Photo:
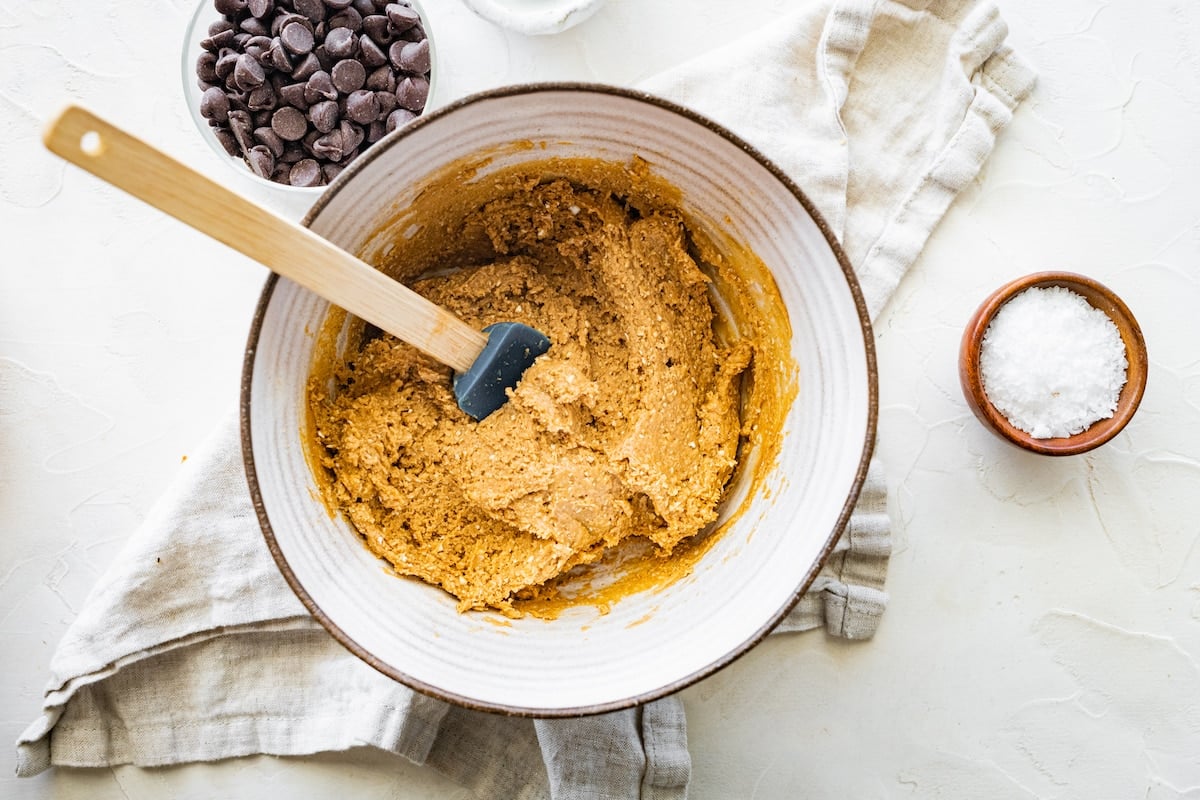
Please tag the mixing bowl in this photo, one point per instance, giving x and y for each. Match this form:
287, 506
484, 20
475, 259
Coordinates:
786, 505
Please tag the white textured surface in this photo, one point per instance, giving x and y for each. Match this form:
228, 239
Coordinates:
1043, 638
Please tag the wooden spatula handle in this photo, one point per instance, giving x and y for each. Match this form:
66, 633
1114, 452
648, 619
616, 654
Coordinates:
291, 250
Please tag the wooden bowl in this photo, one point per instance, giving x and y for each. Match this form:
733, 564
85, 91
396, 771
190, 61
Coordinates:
1099, 296
786, 509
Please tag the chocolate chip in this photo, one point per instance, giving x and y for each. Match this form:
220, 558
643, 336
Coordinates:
348, 75
313, 9
348, 18
370, 53
278, 56
227, 141
414, 56
306, 68
293, 95
398, 118
363, 7
341, 43
206, 67
297, 38
283, 17
378, 28
229, 7
375, 131
331, 171
412, 93
402, 17
329, 147
257, 53
352, 135
382, 80
323, 56
214, 105
237, 100
292, 152
262, 98
260, 8
320, 86
324, 115
305, 172
267, 137
387, 103
216, 42
289, 123
248, 73
243, 129
394, 53
261, 161
226, 63
255, 27
219, 25
362, 107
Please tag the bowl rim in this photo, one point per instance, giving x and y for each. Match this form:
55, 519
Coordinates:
865, 455
1093, 292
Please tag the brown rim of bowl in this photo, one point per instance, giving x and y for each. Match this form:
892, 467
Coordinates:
1098, 296
362, 162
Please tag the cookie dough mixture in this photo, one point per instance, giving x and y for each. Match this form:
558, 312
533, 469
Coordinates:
628, 427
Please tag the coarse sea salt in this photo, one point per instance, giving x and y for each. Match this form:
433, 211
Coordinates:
1051, 363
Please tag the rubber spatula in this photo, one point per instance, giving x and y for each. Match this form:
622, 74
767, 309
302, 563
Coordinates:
485, 363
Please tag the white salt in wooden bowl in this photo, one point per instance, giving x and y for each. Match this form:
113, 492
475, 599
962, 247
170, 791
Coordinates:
650, 643
1098, 296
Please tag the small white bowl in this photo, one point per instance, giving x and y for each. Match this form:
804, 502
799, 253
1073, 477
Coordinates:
535, 17
790, 507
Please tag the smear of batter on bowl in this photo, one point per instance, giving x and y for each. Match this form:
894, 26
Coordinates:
628, 427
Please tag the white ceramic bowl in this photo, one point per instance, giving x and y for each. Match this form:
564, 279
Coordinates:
651, 643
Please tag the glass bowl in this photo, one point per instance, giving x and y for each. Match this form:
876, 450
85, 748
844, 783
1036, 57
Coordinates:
197, 30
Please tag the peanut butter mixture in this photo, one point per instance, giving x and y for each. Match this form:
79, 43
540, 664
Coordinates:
628, 427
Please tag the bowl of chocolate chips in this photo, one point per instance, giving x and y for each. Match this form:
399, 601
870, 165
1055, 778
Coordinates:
289, 92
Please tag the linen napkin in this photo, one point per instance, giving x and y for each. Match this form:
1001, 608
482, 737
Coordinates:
193, 648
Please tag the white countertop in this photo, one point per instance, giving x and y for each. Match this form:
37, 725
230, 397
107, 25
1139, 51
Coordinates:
1043, 638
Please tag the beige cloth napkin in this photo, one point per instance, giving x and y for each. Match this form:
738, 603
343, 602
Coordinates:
192, 647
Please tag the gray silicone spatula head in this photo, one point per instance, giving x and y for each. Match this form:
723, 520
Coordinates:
510, 350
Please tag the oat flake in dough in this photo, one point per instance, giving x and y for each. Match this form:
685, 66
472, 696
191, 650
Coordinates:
628, 426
